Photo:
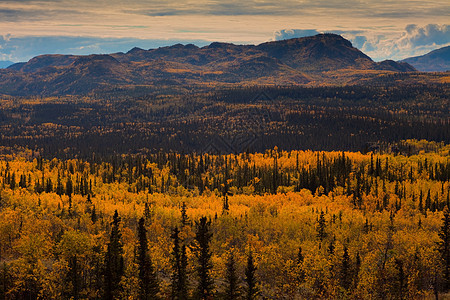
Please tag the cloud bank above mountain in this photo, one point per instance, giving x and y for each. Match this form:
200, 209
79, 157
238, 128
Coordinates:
30, 27
414, 40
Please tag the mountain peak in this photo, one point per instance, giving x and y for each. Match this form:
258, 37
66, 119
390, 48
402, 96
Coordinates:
135, 50
321, 58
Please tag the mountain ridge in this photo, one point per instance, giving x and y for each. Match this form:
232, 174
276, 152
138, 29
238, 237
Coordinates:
312, 60
435, 61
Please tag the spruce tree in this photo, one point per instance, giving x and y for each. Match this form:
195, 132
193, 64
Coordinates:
356, 270
300, 256
74, 278
179, 265
231, 279
148, 282
345, 270
69, 187
401, 284
428, 201
184, 216
321, 224
93, 215
331, 246
59, 185
225, 205
202, 252
444, 248
301, 271
113, 266
250, 278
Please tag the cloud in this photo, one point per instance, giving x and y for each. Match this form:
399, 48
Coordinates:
330, 8
15, 15
285, 34
414, 40
428, 35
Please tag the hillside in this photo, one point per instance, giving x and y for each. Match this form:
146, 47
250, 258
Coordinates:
435, 61
324, 58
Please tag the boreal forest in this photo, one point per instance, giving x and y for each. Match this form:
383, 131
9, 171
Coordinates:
274, 225
199, 173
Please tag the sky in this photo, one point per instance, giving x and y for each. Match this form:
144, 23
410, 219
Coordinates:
383, 29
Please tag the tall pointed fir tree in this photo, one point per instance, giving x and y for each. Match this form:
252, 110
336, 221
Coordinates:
231, 279
444, 248
301, 271
202, 252
321, 227
73, 277
113, 266
148, 282
250, 278
346, 279
179, 266
184, 216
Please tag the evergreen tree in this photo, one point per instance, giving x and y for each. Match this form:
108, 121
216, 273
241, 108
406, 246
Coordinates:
401, 284
59, 186
225, 205
74, 278
184, 216
231, 279
113, 266
444, 248
301, 271
421, 201
428, 201
12, 183
69, 187
331, 246
250, 278
300, 256
356, 270
179, 265
148, 282
93, 215
203, 237
321, 225
345, 270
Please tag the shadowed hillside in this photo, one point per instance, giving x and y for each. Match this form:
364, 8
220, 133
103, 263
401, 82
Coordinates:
435, 61
321, 59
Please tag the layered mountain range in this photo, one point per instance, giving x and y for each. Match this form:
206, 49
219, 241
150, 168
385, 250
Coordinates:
316, 60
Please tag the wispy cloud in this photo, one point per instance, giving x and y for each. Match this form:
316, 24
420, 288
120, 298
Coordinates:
412, 41
375, 26
285, 34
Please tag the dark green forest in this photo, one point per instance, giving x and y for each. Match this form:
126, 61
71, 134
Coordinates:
227, 120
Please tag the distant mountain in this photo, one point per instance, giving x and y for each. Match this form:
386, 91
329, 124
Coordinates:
435, 61
320, 59
5, 64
